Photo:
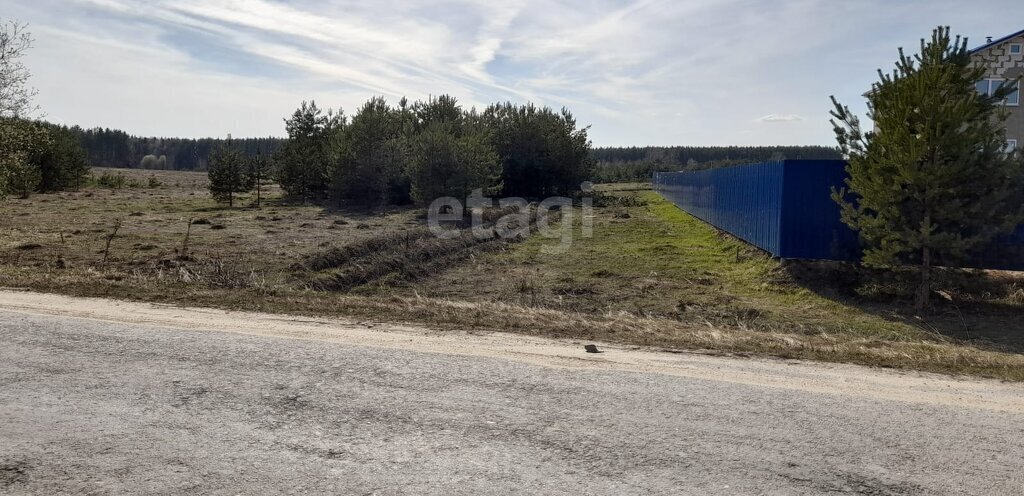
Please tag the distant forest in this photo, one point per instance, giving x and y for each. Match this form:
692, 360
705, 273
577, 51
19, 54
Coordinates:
623, 164
115, 148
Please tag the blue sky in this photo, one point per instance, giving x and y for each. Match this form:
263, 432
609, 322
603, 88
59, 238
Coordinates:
648, 72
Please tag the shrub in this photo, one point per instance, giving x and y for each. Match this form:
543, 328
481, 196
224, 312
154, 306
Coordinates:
112, 181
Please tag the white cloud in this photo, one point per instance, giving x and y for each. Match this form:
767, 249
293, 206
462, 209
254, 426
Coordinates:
780, 118
644, 72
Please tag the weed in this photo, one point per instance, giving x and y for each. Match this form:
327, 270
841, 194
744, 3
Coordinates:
628, 200
109, 239
111, 180
1015, 295
525, 286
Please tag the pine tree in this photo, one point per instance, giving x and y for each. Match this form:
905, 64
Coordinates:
260, 170
932, 181
542, 151
63, 163
449, 154
371, 160
443, 109
305, 161
228, 173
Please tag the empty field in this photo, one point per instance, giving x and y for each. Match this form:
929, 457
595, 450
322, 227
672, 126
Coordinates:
651, 275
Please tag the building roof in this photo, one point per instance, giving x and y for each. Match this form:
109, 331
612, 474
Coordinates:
987, 45
993, 43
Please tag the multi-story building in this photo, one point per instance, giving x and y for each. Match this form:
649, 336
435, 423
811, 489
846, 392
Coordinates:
1004, 61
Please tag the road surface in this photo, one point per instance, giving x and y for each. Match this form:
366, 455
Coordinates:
113, 397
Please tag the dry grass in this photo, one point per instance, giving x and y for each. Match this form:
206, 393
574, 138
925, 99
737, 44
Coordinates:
70, 229
650, 276
934, 355
393, 258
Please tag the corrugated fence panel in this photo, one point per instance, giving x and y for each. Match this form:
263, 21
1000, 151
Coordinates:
786, 208
746, 200
812, 227
1006, 253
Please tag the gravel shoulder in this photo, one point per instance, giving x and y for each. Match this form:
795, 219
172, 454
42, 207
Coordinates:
111, 397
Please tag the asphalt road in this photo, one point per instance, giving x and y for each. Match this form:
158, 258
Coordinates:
94, 406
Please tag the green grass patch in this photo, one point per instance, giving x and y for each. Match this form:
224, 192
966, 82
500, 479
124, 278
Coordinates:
662, 262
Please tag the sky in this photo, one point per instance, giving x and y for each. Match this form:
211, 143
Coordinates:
646, 72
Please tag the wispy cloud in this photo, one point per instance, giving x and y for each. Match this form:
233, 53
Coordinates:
642, 72
780, 118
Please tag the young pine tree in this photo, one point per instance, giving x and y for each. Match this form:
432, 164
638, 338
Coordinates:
371, 158
932, 181
260, 170
306, 160
450, 154
228, 173
63, 164
542, 151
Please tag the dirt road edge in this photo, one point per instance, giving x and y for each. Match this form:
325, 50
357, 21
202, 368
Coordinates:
823, 378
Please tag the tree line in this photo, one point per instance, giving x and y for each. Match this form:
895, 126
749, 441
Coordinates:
639, 163
417, 152
115, 148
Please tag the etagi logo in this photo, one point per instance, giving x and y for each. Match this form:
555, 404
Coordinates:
552, 218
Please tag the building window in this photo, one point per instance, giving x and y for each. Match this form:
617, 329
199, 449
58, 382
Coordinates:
1016, 48
1011, 145
1014, 98
988, 87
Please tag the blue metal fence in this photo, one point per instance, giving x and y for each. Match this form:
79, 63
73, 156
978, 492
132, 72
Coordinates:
786, 208
1007, 253
783, 207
